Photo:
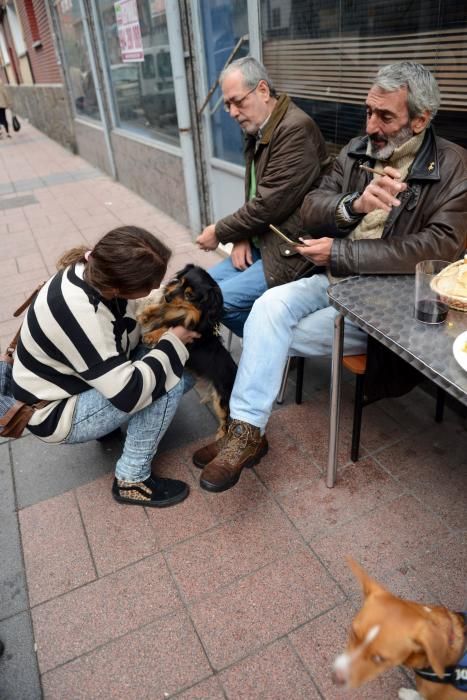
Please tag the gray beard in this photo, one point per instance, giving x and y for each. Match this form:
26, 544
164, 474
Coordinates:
393, 142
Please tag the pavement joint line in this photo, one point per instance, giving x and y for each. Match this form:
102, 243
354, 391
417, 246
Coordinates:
86, 535
117, 638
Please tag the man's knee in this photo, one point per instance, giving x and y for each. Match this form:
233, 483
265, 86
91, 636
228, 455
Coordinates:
271, 305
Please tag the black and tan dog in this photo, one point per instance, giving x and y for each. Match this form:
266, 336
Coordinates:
194, 300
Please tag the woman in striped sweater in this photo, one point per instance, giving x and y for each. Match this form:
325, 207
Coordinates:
80, 350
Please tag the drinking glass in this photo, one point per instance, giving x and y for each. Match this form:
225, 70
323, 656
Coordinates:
430, 305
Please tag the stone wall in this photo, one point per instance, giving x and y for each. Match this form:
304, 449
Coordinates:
90, 143
153, 173
46, 107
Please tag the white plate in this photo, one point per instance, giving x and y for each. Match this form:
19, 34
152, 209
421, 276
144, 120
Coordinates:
460, 354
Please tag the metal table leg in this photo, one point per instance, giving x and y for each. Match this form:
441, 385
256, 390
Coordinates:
336, 374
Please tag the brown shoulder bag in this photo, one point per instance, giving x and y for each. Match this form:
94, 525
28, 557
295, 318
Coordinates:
14, 415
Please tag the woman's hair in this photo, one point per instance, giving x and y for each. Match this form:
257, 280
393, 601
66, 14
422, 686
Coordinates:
127, 258
252, 71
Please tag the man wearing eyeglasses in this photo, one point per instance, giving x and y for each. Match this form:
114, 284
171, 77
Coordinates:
285, 155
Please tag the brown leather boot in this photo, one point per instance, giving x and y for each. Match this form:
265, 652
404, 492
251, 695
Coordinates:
244, 447
207, 453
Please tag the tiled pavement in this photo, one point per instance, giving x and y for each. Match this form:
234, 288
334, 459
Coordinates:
240, 595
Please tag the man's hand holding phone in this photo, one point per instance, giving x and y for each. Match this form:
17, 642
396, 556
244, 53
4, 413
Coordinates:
317, 250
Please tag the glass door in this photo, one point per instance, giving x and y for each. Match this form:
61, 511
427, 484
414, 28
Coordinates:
222, 29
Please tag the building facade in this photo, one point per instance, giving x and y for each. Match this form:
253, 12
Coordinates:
140, 78
31, 68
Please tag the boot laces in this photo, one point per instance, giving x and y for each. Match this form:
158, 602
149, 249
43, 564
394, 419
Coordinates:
239, 435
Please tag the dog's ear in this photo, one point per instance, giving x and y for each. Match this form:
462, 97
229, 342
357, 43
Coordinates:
367, 583
215, 304
433, 644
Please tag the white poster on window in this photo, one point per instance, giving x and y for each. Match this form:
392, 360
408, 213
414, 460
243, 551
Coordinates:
129, 32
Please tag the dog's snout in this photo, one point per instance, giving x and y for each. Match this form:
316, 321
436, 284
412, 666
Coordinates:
336, 679
340, 670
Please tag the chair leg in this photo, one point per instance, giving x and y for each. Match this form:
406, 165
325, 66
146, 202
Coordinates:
280, 395
440, 401
299, 379
357, 417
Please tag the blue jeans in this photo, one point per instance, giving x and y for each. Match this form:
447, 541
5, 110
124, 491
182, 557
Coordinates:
293, 319
95, 416
240, 289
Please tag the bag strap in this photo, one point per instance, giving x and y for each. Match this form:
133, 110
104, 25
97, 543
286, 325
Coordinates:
17, 407
29, 300
12, 346
15, 420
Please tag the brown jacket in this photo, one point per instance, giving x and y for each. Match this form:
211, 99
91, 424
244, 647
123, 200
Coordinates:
289, 160
429, 224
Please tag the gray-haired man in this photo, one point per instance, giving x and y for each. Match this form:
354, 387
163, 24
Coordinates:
285, 154
363, 224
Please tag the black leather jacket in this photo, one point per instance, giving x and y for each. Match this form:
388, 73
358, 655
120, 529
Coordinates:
430, 223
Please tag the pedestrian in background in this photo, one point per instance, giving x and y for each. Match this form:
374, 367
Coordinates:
4, 104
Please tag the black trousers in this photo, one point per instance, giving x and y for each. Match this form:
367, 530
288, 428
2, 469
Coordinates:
3, 119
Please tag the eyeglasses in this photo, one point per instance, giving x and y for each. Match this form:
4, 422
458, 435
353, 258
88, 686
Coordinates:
238, 101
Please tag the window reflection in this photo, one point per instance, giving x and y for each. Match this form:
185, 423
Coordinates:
224, 23
79, 69
143, 89
324, 53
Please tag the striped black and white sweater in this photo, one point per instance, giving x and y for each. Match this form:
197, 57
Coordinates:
73, 340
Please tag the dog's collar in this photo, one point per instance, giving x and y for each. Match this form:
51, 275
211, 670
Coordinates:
453, 675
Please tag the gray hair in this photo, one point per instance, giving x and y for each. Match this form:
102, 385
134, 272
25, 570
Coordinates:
422, 88
252, 71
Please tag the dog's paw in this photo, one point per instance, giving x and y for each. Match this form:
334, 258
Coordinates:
409, 694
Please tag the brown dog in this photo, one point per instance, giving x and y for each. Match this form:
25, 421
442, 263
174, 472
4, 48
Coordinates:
389, 632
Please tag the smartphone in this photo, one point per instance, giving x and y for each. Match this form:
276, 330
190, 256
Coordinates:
285, 238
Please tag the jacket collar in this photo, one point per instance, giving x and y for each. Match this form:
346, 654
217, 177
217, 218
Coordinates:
425, 166
277, 115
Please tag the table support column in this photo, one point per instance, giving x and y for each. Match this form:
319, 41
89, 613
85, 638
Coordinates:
336, 374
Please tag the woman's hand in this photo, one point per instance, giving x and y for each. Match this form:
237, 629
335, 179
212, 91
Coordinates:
185, 335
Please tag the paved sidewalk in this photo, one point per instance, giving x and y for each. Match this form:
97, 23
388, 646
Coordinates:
240, 595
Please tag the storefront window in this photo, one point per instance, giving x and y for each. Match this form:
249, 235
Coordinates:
224, 23
137, 47
77, 61
324, 53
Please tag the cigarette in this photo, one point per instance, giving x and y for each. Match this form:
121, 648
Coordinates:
377, 171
